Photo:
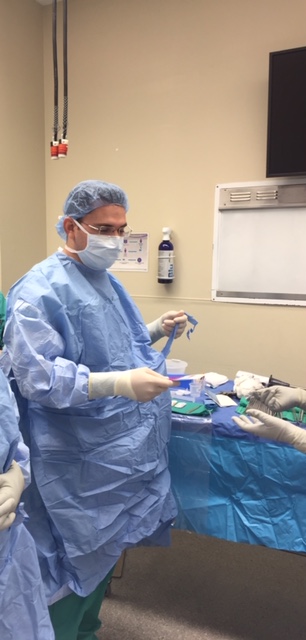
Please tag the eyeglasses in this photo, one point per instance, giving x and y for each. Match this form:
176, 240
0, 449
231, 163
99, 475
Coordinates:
107, 230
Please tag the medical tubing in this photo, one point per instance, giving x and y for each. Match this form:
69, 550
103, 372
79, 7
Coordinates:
55, 71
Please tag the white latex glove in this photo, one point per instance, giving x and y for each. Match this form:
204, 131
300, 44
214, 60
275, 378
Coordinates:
164, 325
11, 488
279, 398
141, 384
266, 426
170, 319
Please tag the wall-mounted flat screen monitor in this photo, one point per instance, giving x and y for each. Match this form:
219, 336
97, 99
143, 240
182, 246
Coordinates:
286, 140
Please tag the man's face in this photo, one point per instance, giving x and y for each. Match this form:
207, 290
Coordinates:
108, 220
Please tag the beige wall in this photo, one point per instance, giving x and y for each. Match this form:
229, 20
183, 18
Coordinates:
169, 98
22, 194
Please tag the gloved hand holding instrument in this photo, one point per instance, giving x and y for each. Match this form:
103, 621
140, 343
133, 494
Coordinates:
140, 384
163, 326
279, 398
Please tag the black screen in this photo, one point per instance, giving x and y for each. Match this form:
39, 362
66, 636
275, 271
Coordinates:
286, 148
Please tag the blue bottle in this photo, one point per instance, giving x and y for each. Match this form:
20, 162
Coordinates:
166, 258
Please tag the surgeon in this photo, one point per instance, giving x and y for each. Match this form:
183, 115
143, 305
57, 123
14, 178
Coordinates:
276, 399
96, 409
23, 607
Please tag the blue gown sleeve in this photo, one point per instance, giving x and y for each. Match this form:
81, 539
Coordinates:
35, 348
23, 458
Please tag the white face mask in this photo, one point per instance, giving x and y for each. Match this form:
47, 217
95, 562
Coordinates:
100, 251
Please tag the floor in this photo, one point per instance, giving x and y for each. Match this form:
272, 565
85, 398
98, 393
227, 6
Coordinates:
202, 588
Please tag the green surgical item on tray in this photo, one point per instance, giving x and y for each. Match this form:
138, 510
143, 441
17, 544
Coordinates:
293, 415
190, 408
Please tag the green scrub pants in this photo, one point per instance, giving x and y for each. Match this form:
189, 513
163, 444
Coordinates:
77, 618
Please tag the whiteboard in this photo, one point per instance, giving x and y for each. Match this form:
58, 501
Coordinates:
259, 250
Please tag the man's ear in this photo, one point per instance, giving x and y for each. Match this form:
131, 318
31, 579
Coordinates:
68, 225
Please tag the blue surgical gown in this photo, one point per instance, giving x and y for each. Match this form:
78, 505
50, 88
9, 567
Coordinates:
23, 607
100, 467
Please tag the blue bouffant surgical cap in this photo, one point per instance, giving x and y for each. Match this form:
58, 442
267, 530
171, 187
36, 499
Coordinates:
87, 196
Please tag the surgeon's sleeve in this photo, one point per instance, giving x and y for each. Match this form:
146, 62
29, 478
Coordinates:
35, 350
23, 458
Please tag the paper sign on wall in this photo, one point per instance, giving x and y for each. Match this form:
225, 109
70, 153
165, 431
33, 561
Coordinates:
134, 255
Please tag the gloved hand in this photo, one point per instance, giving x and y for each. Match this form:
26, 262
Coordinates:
272, 428
171, 318
279, 398
11, 488
141, 384
164, 325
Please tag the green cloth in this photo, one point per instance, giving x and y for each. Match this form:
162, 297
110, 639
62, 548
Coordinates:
191, 408
77, 618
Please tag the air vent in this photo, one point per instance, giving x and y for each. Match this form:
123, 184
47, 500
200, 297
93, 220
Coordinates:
267, 194
240, 196
262, 196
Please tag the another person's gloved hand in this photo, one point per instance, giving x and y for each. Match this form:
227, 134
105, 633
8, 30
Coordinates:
164, 325
11, 488
266, 426
141, 384
279, 398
